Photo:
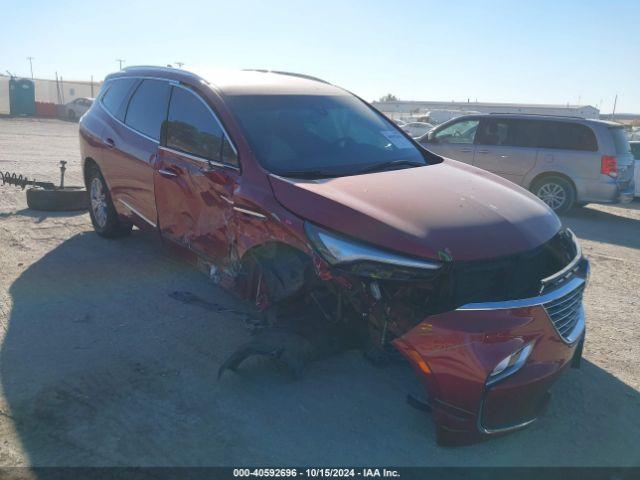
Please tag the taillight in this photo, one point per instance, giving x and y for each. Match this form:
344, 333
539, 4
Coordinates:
609, 165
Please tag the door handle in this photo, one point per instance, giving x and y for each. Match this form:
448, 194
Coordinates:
109, 143
167, 173
483, 151
465, 150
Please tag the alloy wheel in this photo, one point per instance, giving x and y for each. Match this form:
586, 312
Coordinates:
98, 202
552, 194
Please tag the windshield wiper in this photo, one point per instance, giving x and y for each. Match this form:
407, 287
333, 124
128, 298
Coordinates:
394, 163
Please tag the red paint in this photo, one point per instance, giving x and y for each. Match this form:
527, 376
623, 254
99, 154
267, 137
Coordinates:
448, 207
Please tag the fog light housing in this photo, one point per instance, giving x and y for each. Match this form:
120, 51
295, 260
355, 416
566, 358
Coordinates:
510, 365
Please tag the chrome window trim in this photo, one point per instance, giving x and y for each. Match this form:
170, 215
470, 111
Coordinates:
137, 213
215, 116
174, 83
527, 302
104, 109
203, 160
250, 212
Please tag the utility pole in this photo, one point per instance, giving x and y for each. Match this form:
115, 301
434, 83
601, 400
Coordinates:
120, 62
615, 102
31, 65
180, 64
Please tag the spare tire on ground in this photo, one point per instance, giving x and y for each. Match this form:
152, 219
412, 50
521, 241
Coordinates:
64, 199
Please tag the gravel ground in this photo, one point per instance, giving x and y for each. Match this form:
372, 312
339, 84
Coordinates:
99, 366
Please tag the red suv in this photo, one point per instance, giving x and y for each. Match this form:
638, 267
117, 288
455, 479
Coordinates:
286, 187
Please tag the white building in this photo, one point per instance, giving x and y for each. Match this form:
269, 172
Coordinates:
405, 109
50, 91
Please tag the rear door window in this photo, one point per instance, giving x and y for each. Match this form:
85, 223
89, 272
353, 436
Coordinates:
192, 128
148, 107
567, 136
508, 132
116, 93
620, 140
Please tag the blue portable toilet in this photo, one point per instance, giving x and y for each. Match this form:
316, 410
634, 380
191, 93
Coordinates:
22, 96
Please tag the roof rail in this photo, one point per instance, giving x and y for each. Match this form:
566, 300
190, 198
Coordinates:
165, 69
291, 74
537, 114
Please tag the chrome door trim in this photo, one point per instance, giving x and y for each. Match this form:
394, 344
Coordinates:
138, 213
250, 212
195, 158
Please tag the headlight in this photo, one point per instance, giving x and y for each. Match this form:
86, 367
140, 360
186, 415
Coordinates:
511, 364
365, 260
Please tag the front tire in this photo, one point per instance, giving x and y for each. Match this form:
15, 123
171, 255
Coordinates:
103, 214
557, 192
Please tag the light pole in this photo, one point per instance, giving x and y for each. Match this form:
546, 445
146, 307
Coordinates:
120, 62
31, 65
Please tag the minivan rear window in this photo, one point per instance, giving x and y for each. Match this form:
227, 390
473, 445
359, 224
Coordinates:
620, 140
113, 97
567, 136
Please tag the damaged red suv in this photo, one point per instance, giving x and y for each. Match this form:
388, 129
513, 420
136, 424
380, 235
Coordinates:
288, 189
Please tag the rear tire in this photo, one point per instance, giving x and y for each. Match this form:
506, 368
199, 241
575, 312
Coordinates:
557, 192
103, 214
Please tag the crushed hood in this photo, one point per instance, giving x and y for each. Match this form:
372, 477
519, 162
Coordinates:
449, 209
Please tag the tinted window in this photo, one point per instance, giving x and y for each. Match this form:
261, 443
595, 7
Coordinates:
508, 132
635, 149
320, 135
462, 132
192, 128
620, 140
567, 136
115, 94
148, 107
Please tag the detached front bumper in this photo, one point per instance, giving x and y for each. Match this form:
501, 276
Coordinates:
454, 354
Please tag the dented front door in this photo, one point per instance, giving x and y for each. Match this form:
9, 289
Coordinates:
196, 173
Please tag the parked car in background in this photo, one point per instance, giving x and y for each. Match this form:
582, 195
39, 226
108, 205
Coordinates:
565, 161
76, 108
416, 129
306, 201
635, 151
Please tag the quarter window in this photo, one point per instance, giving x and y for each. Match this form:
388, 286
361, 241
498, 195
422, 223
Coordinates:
115, 94
192, 128
567, 136
462, 132
148, 107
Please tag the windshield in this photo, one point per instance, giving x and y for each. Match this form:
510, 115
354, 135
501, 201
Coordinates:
320, 135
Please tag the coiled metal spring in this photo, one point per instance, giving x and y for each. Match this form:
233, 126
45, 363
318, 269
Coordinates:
21, 181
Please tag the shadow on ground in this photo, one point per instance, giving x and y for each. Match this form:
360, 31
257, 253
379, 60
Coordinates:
40, 216
603, 226
100, 367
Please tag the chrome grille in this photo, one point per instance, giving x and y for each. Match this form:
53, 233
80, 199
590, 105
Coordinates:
566, 312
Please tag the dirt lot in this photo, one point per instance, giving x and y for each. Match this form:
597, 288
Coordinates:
99, 366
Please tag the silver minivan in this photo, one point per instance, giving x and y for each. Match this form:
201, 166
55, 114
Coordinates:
565, 161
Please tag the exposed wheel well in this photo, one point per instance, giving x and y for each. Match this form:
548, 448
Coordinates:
282, 269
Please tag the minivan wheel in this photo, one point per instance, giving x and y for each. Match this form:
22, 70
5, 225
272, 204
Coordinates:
101, 210
556, 192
